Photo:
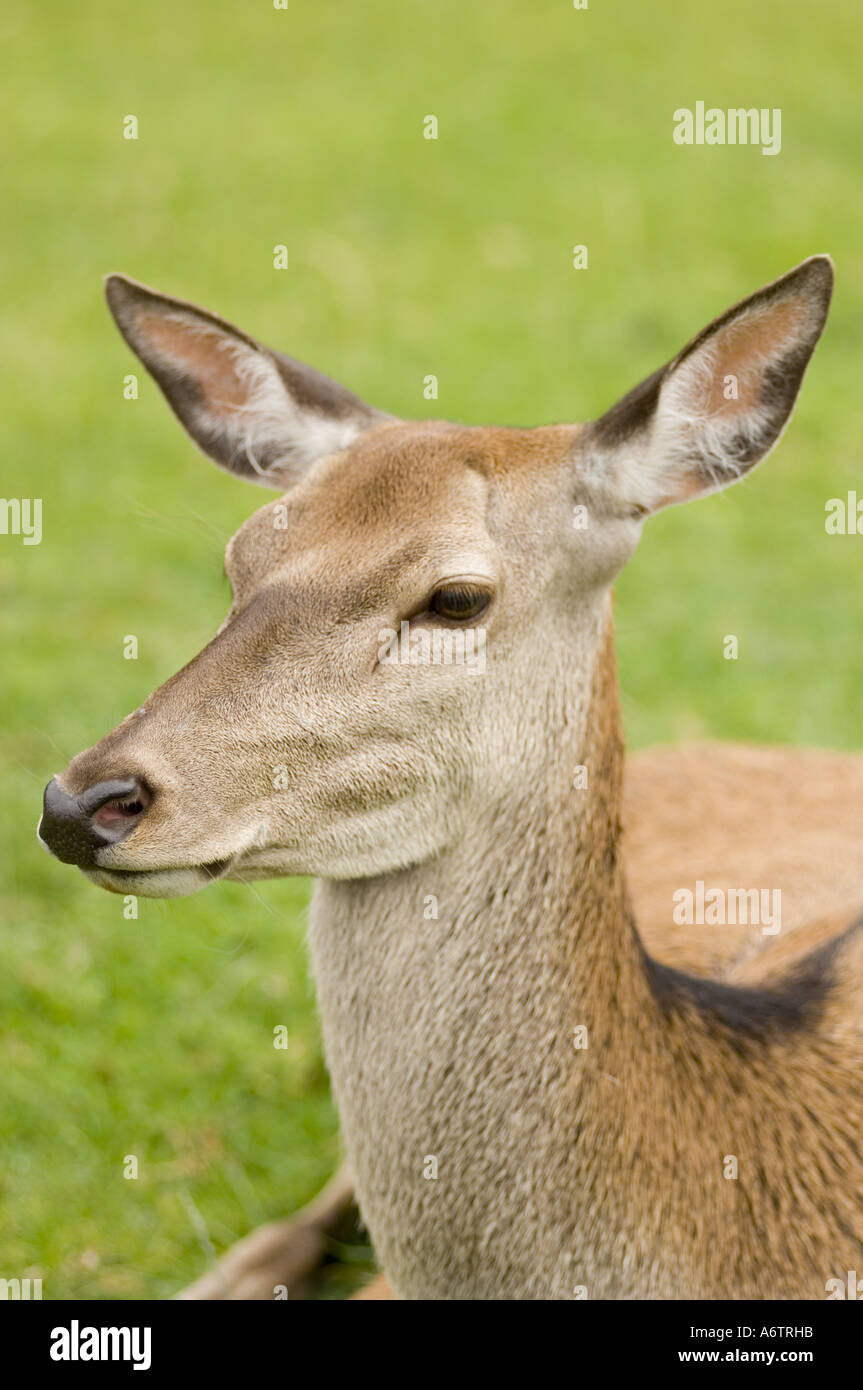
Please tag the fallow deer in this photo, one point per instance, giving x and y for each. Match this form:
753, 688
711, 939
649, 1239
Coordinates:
534, 1104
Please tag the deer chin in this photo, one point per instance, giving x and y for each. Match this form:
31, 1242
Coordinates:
366, 852
159, 883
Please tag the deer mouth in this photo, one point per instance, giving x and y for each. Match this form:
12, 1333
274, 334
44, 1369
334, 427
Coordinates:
170, 881
215, 869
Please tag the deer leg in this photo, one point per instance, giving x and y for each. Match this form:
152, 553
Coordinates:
377, 1291
280, 1254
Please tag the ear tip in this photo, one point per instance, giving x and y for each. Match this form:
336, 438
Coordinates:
115, 279
822, 262
121, 291
819, 272
118, 291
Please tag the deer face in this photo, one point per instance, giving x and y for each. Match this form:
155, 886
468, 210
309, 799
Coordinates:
404, 611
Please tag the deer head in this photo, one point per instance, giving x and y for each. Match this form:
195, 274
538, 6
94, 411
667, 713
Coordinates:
294, 743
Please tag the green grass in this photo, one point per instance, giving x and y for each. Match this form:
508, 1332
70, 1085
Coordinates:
154, 1037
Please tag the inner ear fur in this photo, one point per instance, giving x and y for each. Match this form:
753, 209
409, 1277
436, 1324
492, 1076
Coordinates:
703, 420
256, 412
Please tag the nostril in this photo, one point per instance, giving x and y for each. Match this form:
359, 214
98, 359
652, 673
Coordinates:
75, 828
120, 812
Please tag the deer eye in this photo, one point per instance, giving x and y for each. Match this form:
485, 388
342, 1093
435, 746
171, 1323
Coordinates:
460, 602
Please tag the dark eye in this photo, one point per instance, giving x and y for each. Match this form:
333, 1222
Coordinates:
459, 603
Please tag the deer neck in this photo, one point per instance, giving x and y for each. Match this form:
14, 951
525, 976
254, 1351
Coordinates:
535, 1109
454, 997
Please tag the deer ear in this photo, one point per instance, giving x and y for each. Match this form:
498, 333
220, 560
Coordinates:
706, 418
255, 412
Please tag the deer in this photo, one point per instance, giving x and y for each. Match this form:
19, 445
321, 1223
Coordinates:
547, 1090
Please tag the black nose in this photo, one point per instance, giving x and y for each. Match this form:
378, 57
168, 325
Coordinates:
75, 827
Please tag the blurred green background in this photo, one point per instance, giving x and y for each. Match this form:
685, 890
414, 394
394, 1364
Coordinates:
406, 257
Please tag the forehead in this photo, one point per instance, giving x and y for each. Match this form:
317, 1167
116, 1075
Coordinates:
402, 494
